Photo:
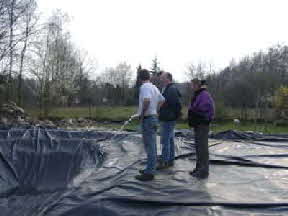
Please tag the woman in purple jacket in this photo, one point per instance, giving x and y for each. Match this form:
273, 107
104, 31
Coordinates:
200, 114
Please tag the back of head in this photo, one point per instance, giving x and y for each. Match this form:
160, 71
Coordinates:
203, 82
200, 83
166, 75
144, 75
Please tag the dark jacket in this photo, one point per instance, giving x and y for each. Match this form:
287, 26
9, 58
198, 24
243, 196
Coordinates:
201, 110
171, 109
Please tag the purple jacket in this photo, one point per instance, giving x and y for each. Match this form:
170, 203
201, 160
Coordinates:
202, 105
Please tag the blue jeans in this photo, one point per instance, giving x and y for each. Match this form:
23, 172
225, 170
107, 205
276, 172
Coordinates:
149, 130
167, 140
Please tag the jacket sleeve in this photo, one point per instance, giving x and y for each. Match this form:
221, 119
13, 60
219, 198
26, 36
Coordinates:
172, 97
204, 106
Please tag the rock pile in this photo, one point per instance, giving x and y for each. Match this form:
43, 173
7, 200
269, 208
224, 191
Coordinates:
13, 116
11, 112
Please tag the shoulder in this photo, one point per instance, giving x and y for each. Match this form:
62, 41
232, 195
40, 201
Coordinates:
145, 86
173, 91
152, 86
205, 94
172, 87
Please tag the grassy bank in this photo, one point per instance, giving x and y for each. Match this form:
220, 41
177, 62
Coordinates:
222, 126
114, 116
103, 113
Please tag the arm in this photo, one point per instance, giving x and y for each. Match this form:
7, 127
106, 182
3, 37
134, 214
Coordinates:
200, 103
146, 103
204, 106
172, 97
161, 101
144, 96
160, 104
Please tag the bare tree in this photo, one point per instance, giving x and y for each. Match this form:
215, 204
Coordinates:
196, 71
11, 45
119, 79
30, 21
62, 72
4, 28
251, 82
13, 19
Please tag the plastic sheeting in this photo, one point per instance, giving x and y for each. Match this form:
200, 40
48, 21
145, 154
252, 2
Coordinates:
73, 173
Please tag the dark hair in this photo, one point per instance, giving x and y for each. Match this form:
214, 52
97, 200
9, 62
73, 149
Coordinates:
169, 76
161, 72
203, 82
199, 82
144, 74
196, 81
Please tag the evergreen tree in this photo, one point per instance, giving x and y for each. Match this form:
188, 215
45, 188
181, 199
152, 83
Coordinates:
155, 70
155, 67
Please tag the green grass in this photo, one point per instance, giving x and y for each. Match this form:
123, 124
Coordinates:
121, 114
103, 113
216, 127
247, 126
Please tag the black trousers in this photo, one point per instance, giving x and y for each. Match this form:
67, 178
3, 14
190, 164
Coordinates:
202, 152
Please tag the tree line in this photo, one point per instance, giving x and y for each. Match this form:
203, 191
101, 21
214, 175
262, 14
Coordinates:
41, 67
251, 83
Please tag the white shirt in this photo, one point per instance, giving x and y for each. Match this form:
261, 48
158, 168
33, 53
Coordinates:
151, 92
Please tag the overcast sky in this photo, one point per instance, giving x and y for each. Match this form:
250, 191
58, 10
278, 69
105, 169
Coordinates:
177, 31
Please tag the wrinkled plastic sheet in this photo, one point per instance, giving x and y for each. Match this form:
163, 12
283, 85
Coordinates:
87, 173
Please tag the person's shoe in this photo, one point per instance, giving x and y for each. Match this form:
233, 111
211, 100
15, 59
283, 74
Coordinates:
141, 171
171, 163
162, 165
193, 171
165, 165
200, 175
145, 177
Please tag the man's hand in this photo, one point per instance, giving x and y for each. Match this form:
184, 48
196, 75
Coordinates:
141, 117
146, 104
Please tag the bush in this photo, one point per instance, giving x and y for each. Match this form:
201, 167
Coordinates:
221, 111
281, 102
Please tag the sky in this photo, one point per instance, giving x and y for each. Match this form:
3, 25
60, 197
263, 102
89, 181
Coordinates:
178, 32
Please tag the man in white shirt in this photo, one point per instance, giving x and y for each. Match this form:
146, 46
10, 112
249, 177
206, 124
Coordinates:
150, 100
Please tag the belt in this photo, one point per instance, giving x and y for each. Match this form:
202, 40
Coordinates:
149, 116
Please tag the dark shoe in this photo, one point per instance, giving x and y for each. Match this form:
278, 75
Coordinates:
162, 165
141, 171
193, 171
145, 177
171, 163
200, 175
165, 165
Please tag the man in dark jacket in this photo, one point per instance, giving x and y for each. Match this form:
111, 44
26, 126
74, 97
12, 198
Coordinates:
200, 114
168, 114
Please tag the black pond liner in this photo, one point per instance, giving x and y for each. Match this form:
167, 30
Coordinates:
88, 173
